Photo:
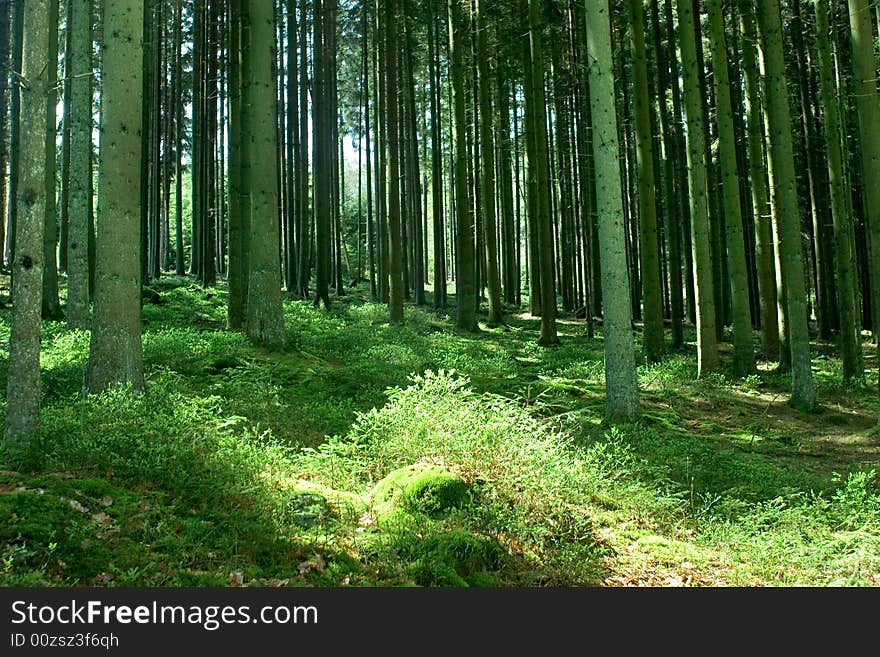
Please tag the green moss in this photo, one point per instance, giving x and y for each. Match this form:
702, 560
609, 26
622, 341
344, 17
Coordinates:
457, 558
420, 488
310, 503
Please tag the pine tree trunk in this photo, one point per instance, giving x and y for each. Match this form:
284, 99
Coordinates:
487, 171
51, 306
652, 301
80, 59
757, 177
436, 171
864, 71
850, 344
544, 189
621, 384
23, 382
743, 352
707, 344
115, 353
265, 317
465, 270
5, 43
785, 186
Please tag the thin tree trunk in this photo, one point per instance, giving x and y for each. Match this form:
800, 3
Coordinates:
785, 186
743, 352
707, 344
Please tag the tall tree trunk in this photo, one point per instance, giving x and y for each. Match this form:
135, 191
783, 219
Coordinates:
5, 43
621, 384
23, 382
707, 344
548, 335
80, 59
395, 263
239, 147
743, 352
177, 99
864, 71
652, 300
672, 218
436, 170
487, 164
850, 345
15, 132
115, 353
465, 277
265, 316
785, 185
51, 306
757, 177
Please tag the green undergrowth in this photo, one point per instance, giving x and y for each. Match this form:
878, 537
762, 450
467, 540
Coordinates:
370, 454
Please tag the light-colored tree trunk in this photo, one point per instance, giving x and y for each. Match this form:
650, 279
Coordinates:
115, 353
621, 383
23, 383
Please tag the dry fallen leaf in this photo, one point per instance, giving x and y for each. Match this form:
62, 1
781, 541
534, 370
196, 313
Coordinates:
107, 500
77, 506
103, 518
317, 564
236, 579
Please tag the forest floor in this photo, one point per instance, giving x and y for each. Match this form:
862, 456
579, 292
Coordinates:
367, 454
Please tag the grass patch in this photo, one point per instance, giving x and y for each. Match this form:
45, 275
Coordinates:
366, 453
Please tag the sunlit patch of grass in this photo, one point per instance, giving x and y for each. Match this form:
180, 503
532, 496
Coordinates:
221, 466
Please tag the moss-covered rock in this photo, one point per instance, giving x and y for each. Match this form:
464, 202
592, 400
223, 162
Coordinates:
309, 503
420, 488
457, 558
